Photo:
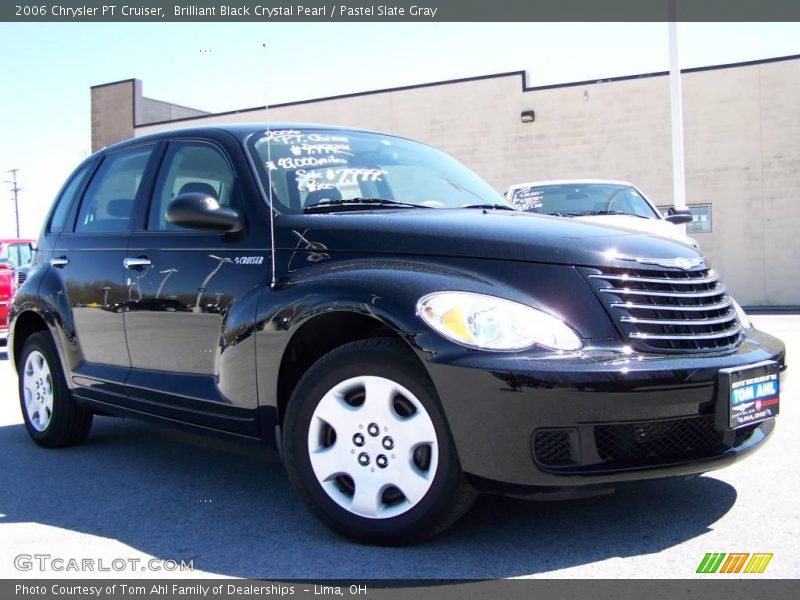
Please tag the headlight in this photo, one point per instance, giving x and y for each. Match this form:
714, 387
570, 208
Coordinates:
490, 323
744, 320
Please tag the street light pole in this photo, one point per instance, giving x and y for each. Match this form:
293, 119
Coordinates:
15, 190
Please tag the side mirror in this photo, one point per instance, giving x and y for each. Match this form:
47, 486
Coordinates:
679, 217
201, 211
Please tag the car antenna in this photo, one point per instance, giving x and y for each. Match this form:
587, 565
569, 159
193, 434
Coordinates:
269, 169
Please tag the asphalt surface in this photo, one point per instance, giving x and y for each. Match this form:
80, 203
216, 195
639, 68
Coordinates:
138, 491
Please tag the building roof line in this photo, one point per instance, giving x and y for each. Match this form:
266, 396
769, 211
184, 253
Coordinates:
748, 63
101, 85
353, 95
521, 74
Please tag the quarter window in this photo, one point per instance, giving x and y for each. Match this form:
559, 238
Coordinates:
189, 167
108, 202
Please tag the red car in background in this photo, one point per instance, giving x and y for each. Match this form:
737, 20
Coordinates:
13, 254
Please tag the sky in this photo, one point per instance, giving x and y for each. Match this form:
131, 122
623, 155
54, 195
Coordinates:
46, 71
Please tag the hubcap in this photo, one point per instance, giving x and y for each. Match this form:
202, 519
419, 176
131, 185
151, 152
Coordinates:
373, 447
37, 384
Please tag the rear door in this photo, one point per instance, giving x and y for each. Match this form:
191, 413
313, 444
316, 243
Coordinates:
89, 258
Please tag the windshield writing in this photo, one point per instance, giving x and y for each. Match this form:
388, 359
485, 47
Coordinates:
307, 167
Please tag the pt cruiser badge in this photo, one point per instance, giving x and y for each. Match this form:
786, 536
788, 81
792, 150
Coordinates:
383, 317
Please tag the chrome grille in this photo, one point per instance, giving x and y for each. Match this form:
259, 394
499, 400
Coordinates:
669, 310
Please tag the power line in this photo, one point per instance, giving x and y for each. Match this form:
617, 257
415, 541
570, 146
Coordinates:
15, 190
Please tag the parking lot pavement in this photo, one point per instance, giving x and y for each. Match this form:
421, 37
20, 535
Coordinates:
140, 491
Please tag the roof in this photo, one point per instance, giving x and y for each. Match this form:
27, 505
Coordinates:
570, 182
242, 131
17, 241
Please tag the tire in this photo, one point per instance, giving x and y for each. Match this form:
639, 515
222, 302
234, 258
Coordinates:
52, 417
368, 449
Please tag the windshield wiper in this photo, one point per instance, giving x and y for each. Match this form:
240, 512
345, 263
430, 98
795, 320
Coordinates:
589, 213
592, 213
357, 204
488, 206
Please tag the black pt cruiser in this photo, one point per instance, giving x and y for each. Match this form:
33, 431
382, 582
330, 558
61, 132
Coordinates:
377, 312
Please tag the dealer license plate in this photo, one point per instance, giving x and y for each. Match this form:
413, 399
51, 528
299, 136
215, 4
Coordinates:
753, 393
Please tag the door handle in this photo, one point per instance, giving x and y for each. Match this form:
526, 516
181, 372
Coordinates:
59, 261
136, 263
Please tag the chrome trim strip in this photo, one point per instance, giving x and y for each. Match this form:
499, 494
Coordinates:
720, 289
689, 336
697, 307
686, 323
664, 280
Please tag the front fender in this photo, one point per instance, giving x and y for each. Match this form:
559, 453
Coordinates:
387, 288
362, 287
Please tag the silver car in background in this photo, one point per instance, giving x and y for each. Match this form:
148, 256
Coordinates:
614, 203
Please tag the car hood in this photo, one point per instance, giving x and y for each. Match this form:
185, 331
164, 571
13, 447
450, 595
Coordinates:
651, 226
476, 233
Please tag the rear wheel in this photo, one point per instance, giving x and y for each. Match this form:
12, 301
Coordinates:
52, 417
367, 447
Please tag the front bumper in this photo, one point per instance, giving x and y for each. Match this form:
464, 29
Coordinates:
596, 418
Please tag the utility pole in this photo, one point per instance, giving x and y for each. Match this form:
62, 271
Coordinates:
676, 106
15, 190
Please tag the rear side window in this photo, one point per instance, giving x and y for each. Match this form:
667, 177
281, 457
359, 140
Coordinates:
17, 254
189, 167
66, 198
24, 254
108, 202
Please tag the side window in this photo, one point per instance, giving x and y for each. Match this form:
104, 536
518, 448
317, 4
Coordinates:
66, 198
11, 254
189, 167
108, 202
25, 254
19, 254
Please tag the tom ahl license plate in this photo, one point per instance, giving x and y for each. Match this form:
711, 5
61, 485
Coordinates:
753, 393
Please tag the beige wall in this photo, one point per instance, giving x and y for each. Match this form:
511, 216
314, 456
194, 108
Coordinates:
742, 127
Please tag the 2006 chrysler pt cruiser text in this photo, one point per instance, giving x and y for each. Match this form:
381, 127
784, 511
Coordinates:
383, 317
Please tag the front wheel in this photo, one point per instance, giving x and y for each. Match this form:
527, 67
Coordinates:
52, 417
368, 449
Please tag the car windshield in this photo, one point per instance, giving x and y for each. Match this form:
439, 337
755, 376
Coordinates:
314, 167
582, 199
